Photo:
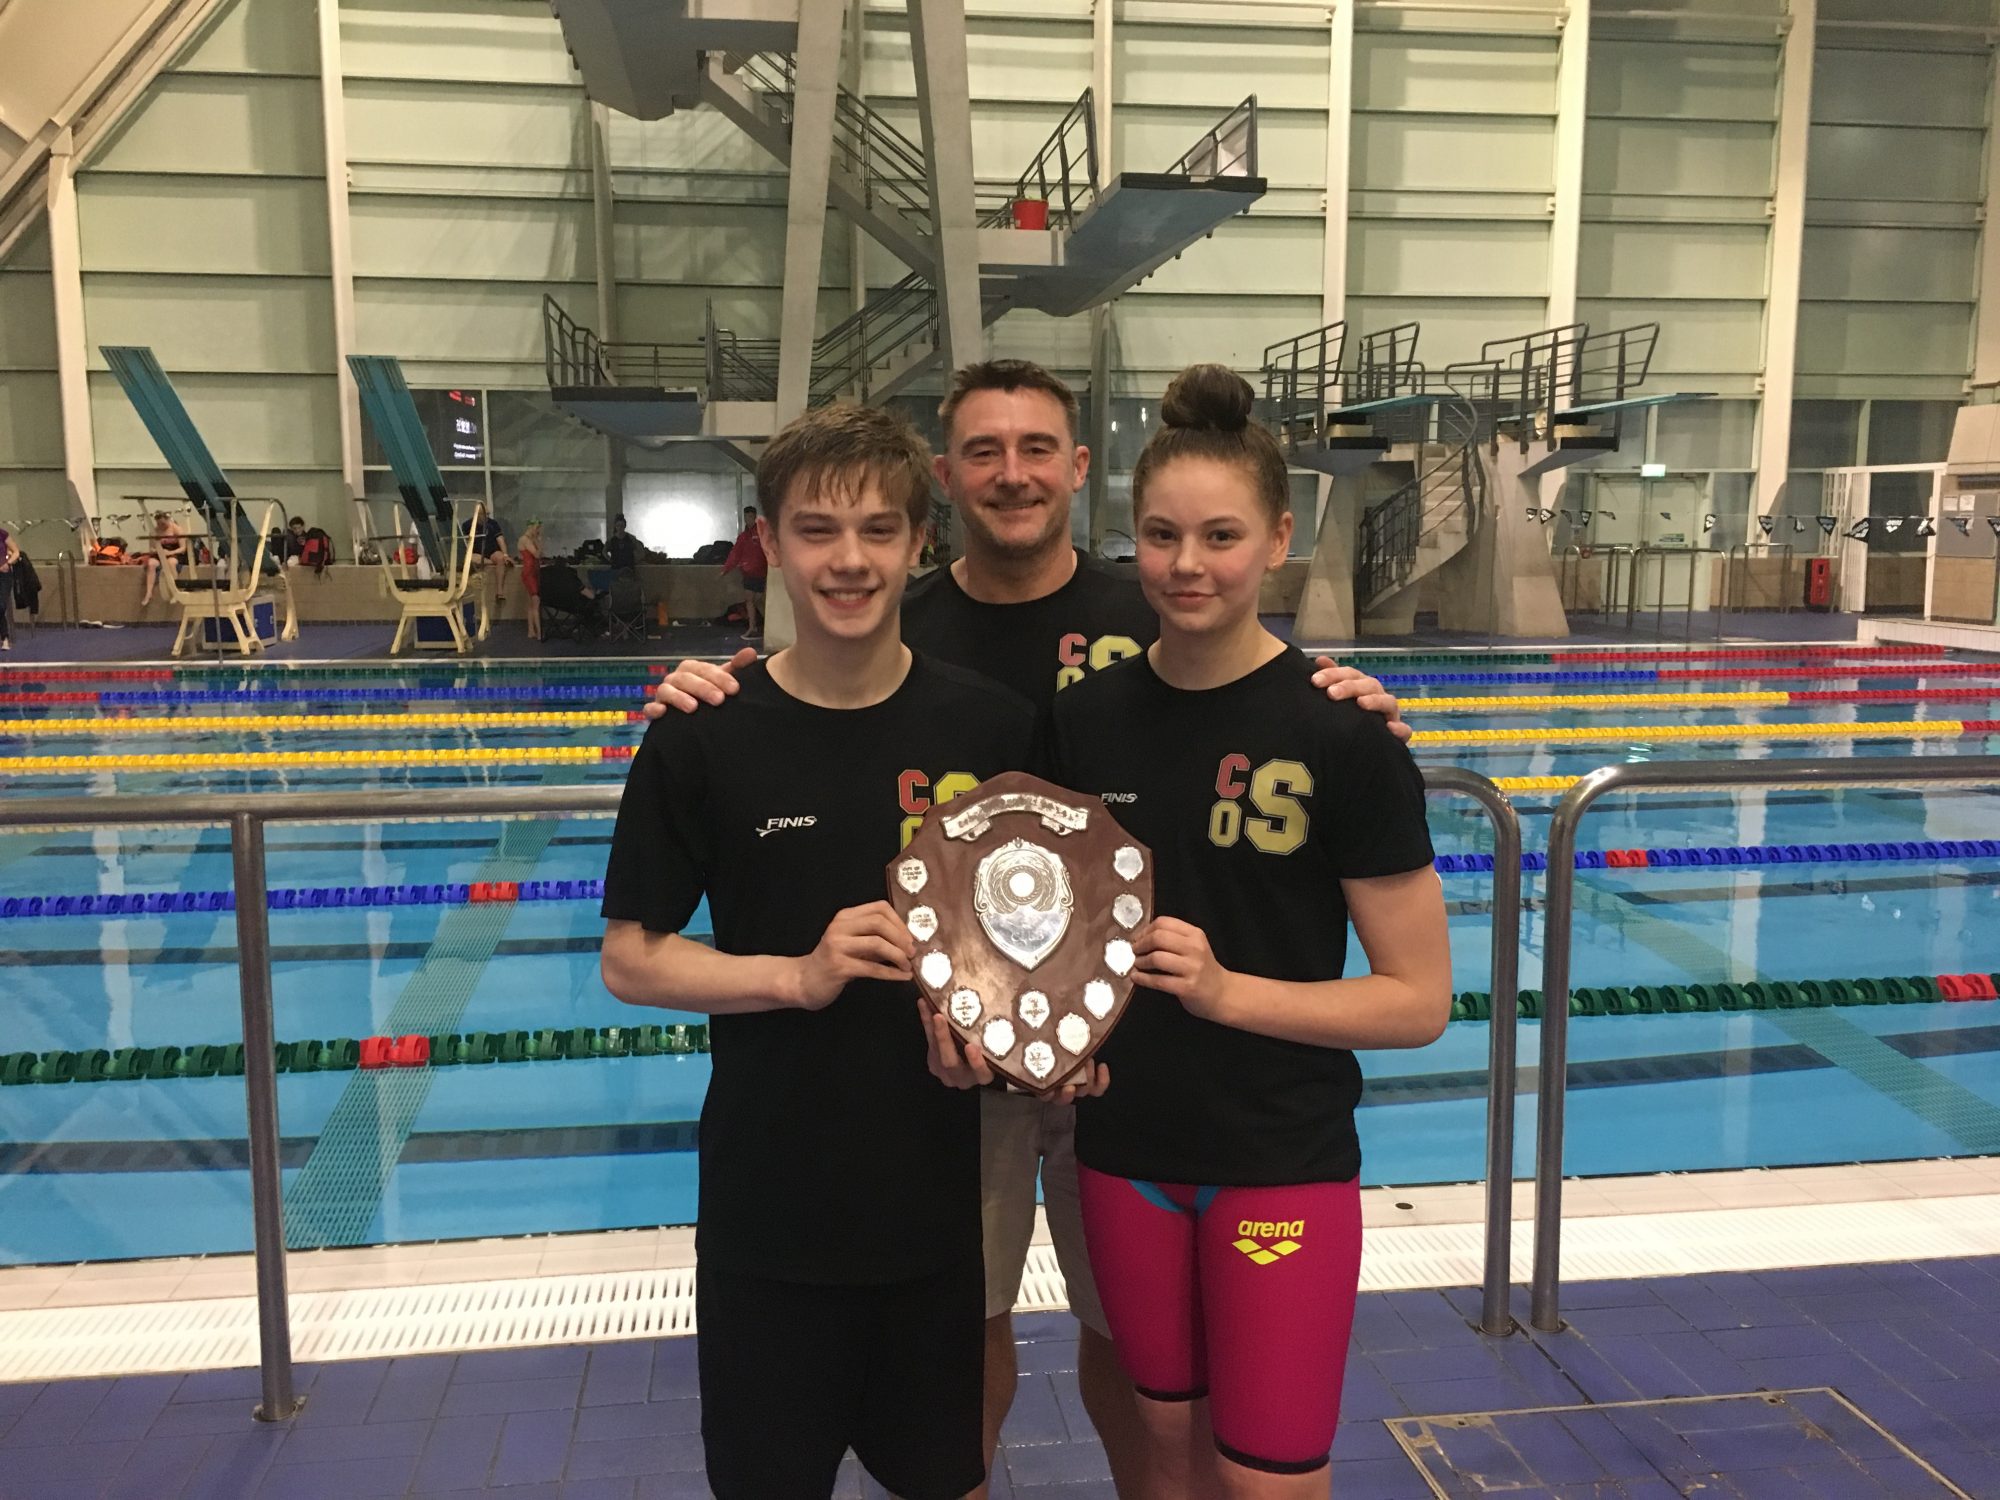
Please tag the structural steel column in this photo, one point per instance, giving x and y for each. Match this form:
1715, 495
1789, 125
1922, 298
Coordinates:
937, 47
340, 249
1566, 206
72, 346
1099, 436
1986, 342
805, 212
604, 266
1788, 231
1339, 159
857, 80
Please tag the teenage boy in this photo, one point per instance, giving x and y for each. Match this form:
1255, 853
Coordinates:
839, 1284
1024, 607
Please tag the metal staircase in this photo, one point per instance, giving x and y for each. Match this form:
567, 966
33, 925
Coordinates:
1428, 521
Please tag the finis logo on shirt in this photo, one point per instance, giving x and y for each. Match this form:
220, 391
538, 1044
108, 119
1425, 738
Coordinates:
1119, 796
1282, 1235
774, 825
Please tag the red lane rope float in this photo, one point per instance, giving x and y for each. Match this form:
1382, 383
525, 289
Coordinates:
1891, 695
22, 673
1760, 653
1866, 669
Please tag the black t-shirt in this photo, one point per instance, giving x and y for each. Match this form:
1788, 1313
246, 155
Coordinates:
1257, 799
828, 1152
1039, 646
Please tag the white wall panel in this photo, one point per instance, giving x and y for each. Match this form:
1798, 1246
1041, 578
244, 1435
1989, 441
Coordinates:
713, 244
466, 239
433, 120
27, 323
248, 420
1248, 256
470, 321
1009, 58
317, 495
203, 225
1668, 156
512, 41
1857, 338
1889, 264
1863, 161
235, 124
1683, 80
1928, 87
1674, 260
1496, 75
1452, 330
32, 495
214, 322
693, 141
30, 421
1435, 258
1211, 67
1435, 151
1699, 338
1161, 334
255, 36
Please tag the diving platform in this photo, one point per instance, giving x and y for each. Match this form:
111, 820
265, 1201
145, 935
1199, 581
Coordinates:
242, 580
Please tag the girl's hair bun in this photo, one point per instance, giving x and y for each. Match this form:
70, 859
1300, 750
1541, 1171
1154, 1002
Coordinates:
1212, 398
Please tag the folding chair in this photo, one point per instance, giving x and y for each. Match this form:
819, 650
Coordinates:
625, 607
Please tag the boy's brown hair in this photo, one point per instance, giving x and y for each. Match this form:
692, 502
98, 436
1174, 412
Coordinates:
1006, 375
844, 446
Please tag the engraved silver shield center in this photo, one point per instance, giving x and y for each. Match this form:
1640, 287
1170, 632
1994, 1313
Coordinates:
1022, 896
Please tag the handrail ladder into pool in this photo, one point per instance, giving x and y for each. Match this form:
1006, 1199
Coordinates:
247, 817
1545, 1313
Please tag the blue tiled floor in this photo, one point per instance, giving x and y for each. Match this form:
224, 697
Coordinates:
1915, 1348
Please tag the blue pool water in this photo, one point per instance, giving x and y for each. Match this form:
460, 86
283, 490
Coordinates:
108, 1170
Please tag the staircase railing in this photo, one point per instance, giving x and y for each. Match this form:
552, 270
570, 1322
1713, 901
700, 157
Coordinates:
1302, 380
1449, 484
870, 149
571, 354
1227, 149
1611, 365
1063, 174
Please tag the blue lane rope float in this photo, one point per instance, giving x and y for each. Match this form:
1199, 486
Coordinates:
334, 897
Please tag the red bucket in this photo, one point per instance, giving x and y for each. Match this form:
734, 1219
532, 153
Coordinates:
1031, 213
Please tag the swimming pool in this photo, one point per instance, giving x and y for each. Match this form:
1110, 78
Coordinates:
154, 1166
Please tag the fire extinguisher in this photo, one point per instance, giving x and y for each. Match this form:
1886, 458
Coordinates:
1819, 583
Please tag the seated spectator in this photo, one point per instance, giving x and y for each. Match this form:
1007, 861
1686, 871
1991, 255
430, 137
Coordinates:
289, 546
624, 547
489, 545
169, 546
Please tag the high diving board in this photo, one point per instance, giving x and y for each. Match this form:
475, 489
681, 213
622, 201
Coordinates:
241, 538
1629, 403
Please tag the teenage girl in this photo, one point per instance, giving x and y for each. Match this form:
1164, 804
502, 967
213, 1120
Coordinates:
1219, 1174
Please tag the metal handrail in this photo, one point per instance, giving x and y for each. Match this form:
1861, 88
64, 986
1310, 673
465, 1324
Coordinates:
1052, 175
1452, 482
246, 817
1226, 149
1640, 554
1559, 908
888, 163
1302, 377
1727, 601
1501, 1052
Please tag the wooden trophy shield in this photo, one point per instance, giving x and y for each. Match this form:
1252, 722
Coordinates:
1024, 899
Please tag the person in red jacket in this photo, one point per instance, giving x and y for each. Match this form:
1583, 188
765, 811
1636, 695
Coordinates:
747, 556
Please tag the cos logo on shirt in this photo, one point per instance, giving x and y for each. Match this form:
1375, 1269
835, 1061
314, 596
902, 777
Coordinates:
1077, 653
916, 796
1277, 822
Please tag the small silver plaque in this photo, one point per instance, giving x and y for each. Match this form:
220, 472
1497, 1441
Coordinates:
1034, 1008
1021, 894
1039, 1059
1117, 958
1125, 911
1128, 862
911, 875
998, 1037
924, 923
965, 1008
936, 967
1098, 998
1073, 1032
